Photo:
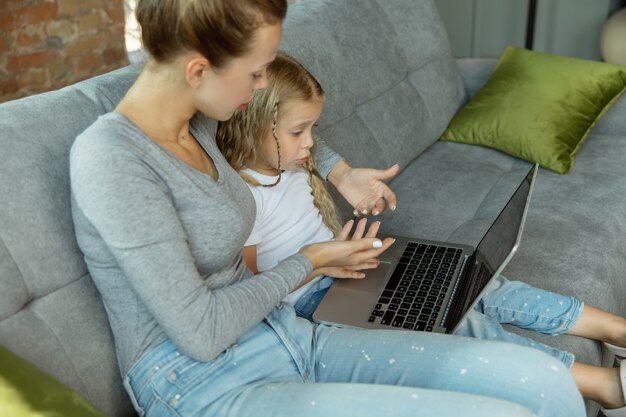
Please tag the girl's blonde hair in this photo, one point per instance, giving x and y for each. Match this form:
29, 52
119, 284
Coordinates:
218, 29
241, 138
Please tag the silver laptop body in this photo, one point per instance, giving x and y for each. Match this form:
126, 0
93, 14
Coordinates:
409, 291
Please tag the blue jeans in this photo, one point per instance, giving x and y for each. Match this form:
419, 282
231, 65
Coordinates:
505, 302
287, 365
309, 301
526, 307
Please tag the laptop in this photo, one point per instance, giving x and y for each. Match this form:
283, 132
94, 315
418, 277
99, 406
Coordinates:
426, 285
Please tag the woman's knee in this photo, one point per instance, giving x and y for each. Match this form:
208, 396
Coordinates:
333, 399
545, 383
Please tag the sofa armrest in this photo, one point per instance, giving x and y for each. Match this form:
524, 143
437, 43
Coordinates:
475, 72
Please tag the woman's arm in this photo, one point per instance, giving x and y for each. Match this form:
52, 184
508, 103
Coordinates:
363, 188
249, 256
136, 225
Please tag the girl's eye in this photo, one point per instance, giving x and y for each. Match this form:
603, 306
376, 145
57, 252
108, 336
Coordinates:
257, 76
298, 133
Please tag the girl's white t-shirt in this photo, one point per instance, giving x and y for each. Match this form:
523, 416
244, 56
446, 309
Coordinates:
286, 220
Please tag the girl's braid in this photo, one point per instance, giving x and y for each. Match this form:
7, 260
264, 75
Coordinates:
274, 119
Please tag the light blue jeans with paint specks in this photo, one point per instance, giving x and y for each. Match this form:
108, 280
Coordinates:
288, 366
526, 307
505, 302
306, 305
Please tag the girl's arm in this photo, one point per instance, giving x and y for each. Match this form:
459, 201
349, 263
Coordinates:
249, 256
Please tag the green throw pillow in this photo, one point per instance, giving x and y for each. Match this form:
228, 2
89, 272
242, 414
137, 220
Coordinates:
539, 107
26, 391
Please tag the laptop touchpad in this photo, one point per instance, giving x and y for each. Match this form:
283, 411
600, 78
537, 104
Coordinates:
373, 280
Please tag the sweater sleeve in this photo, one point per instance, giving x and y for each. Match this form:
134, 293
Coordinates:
325, 158
134, 222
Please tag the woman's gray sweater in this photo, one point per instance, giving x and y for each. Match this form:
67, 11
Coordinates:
163, 241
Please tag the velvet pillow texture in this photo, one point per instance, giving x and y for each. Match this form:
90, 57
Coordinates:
26, 391
539, 107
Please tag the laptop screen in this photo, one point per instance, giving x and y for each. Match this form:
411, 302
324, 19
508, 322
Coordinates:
495, 248
504, 234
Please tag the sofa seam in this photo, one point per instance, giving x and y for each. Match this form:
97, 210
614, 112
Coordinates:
56, 336
405, 78
29, 297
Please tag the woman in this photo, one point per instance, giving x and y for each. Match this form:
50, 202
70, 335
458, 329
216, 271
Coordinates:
162, 218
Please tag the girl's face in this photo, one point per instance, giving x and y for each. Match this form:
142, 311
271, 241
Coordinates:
294, 129
226, 89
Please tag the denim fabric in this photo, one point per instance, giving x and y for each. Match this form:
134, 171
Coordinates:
505, 301
287, 365
526, 307
306, 305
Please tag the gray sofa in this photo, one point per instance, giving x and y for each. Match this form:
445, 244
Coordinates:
392, 87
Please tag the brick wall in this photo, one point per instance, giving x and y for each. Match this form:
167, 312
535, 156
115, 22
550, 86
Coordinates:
47, 44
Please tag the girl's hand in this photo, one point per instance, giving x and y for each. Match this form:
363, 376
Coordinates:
351, 271
347, 256
344, 234
364, 188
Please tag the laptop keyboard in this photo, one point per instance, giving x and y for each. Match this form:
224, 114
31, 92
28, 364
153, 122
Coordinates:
413, 297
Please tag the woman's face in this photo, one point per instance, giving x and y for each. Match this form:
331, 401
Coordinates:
294, 129
229, 88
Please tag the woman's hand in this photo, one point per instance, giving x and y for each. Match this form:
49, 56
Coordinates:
345, 256
355, 270
364, 188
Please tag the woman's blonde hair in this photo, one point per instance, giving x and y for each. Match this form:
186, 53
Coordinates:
241, 138
218, 29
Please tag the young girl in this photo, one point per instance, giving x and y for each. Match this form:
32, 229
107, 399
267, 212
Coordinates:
294, 207
270, 145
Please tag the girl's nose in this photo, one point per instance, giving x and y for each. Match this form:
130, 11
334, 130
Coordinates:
308, 141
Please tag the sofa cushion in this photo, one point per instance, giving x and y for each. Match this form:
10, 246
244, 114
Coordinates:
539, 107
573, 241
48, 305
26, 391
392, 84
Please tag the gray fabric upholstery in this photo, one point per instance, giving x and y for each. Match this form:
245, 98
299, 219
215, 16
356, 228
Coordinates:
390, 79
475, 73
392, 87
50, 311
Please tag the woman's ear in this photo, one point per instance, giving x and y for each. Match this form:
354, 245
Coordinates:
195, 69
